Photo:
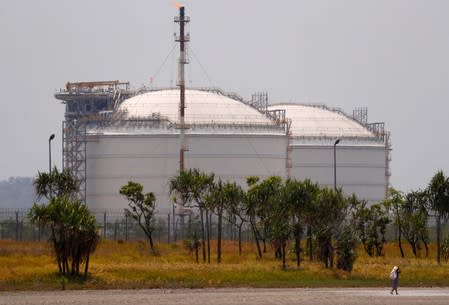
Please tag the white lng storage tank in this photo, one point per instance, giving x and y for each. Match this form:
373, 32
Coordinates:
333, 149
224, 136
110, 141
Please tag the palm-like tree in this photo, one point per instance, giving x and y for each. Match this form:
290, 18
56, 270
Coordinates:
38, 215
74, 234
73, 228
56, 184
438, 196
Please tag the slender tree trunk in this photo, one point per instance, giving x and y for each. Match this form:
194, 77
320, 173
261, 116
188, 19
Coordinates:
264, 240
196, 251
78, 263
309, 242
150, 237
400, 237
438, 238
298, 248
256, 237
284, 265
208, 236
203, 236
66, 264
86, 267
413, 245
240, 239
220, 219
55, 247
73, 271
426, 246
331, 253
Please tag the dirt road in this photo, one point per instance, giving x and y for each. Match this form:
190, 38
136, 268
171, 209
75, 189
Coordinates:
241, 296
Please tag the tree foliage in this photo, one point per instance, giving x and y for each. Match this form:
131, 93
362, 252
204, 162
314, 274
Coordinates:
438, 198
299, 197
395, 204
226, 196
56, 184
371, 224
74, 232
73, 228
280, 211
260, 202
235, 209
193, 188
329, 214
142, 208
414, 224
346, 244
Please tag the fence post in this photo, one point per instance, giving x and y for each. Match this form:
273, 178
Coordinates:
104, 225
168, 228
17, 225
38, 230
174, 223
126, 227
189, 227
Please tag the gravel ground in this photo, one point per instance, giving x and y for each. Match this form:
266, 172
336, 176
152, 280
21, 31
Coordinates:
240, 296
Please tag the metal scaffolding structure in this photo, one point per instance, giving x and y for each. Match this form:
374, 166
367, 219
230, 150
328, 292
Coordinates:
85, 101
74, 151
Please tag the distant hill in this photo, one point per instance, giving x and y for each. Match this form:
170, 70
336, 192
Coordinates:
17, 193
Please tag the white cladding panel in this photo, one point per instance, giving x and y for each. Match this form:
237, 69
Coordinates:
360, 169
151, 160
233, 157
112, 161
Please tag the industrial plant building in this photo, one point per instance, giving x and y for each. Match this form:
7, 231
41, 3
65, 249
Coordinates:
139, 140
114, 134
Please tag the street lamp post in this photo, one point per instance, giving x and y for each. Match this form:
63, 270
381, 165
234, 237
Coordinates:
52, 136
335, 163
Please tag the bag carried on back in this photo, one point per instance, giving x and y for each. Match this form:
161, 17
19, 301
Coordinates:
393, 275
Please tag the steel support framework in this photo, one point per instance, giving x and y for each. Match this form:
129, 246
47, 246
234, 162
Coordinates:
74, 151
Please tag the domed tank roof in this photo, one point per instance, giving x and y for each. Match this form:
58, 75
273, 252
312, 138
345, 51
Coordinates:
202, 107
321, 121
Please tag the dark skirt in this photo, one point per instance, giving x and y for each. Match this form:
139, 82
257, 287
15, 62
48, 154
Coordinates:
394, 283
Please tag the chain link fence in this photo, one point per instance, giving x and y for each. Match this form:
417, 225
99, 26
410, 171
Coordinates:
116, 225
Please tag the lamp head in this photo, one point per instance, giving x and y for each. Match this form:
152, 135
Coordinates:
51, 137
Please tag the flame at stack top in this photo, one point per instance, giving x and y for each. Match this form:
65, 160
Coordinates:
177, 5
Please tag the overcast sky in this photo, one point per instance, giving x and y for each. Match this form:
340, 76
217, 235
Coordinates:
391, 56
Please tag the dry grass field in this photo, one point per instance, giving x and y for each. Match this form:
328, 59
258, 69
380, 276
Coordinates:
131, 265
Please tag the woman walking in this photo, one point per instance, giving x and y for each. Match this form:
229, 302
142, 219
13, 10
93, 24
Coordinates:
394, 276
